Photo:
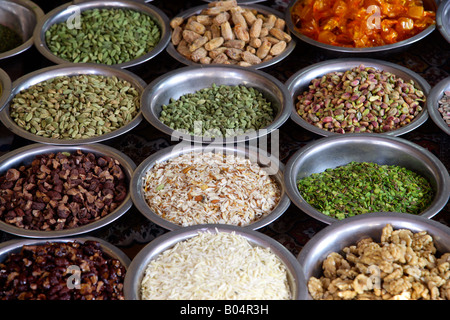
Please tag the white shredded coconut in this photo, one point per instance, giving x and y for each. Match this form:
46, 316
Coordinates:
197, 188
216, 266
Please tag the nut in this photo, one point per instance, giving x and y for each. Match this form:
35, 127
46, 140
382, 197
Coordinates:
41, 272
230, 26
404, 265
362, 99
61, 191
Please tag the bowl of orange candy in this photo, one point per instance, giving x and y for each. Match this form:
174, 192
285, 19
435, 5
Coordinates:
361, 26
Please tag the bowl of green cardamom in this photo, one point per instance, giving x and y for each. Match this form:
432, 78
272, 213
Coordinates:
119, 33
337, 177
5, 88
216, 104
71, 105
18, 20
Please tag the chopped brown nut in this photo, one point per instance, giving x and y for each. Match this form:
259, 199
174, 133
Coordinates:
49, 193
41, 272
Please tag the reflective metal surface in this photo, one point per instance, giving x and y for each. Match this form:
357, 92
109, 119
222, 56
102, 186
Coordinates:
14, 246
193, 78
5, 88
240, 1
443, 19
20, 16
428, 5
151, 251
300, 81
25, 155
65, 11
271, 165
70, 70
435, 95
345, 233
331, 152
261, 9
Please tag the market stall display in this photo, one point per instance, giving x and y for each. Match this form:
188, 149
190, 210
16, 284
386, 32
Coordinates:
98, 170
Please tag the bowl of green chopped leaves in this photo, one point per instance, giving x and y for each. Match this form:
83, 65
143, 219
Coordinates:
337, 177
18, 20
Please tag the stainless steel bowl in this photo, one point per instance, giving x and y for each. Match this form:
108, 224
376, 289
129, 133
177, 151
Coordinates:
25, 155
435, 95
22, 17
345, 233
190, 79
260, 8
331, 152
69, 70
269, 162
241, 1
401, 45
443, 19
65, 11
151, 251
14, 246
5, 88
299, 82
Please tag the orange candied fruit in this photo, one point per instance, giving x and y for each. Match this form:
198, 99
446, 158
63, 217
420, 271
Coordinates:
361, 23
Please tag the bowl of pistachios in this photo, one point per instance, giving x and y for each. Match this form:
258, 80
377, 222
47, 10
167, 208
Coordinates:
5, 88
348, 95
363, 173
439, 104
69, 105
18, 20
119, 33
216, 104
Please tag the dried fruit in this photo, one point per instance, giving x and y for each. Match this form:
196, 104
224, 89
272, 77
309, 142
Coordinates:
361, 24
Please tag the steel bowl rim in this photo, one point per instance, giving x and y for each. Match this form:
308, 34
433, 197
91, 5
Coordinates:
282, 117
241, 1
376, 220
418, 80
70, 69
167, 240
127, 165
443, 28
261, 8
433, 102
183, 148
352, 50
290, 173
63, 10
38, 13
5, 88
